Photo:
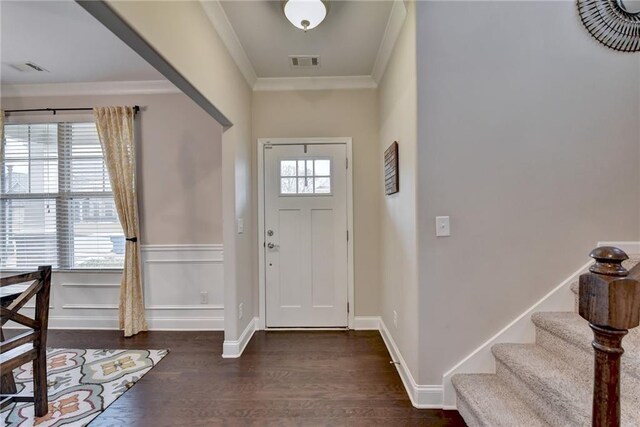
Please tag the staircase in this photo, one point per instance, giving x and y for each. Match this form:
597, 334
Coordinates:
550, 382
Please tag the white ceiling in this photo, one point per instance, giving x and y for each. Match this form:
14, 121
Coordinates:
63, 38
347, 41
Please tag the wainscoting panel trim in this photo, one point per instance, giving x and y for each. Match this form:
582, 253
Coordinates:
183, 261
184, 307
90, 306
174, 276
90, 285
174, 248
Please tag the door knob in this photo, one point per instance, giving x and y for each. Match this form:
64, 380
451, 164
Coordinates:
271, 245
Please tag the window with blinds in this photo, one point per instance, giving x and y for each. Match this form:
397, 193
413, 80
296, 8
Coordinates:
56, 203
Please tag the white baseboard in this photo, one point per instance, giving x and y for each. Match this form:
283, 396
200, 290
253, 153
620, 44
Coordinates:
520, 330
422, 396
233, 349
366, 323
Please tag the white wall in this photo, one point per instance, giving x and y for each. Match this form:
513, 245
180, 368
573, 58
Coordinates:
336, 113
182, 33
529, 140
397, 122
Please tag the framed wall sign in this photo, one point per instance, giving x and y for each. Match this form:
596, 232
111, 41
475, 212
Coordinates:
391, 173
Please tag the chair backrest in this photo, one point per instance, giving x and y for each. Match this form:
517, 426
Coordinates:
15, 292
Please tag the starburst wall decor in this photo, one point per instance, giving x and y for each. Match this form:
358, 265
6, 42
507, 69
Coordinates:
614, 23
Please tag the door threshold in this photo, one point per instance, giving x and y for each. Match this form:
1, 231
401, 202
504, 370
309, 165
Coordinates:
311, 328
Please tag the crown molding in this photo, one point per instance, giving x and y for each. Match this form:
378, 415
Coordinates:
218, 18
150, 87
394, 25
314, 83
222, 25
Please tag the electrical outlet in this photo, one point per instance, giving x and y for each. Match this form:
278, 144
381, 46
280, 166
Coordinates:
204, 297
395, 319
241, 310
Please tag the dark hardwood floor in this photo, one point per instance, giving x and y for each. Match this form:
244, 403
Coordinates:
283, 378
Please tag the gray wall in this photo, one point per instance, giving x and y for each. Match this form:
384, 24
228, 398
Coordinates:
528, 138
179, 164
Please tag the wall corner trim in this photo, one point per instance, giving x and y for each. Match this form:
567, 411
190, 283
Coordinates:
220, 21
233, 349
394, 25
422, 396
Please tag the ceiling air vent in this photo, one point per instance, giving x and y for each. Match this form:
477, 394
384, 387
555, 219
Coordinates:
29, 66
304, 61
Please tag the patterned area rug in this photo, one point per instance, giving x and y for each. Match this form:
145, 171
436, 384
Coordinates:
81, 384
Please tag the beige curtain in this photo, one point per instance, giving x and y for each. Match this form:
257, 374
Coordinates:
115, 129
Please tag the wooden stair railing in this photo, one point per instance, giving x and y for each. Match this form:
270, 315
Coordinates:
609, 299
28, 346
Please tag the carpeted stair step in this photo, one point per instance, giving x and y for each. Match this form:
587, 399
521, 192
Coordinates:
559, 393
550, 382
568, 336
485, 400
556, 391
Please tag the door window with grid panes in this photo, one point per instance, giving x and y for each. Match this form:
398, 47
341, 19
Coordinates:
305, 177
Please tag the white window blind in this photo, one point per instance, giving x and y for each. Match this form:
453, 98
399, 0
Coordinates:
56, 202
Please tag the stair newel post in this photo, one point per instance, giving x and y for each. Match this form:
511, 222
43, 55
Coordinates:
610, 302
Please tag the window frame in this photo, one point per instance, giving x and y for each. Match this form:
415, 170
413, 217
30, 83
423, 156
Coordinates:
64, 195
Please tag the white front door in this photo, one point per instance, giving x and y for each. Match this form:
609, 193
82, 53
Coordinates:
305, 196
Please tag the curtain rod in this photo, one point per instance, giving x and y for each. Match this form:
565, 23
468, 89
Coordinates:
136, 109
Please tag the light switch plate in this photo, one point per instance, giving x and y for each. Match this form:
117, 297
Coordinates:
443, 228
240, 225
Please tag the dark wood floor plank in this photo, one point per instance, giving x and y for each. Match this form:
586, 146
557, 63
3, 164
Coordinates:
282, 379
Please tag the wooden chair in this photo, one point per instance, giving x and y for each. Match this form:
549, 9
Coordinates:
28, 346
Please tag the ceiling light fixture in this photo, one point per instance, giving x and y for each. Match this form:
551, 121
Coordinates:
305, 14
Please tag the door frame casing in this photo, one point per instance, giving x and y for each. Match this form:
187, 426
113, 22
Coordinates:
347, 141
